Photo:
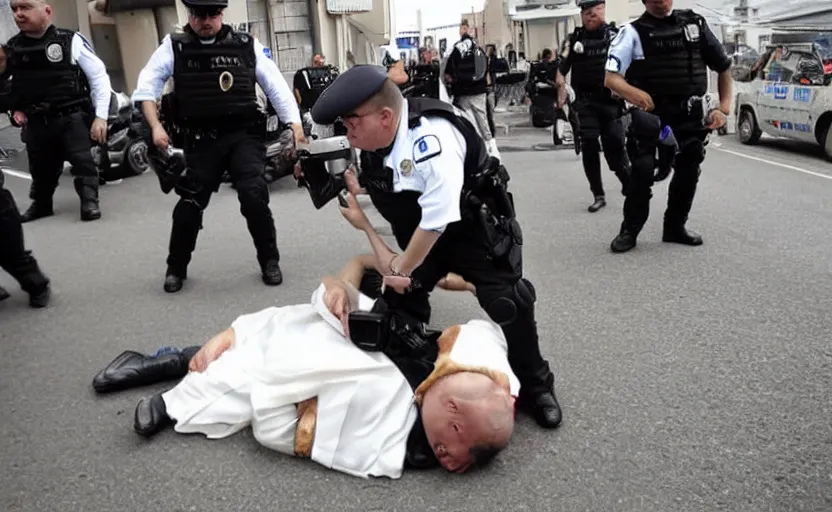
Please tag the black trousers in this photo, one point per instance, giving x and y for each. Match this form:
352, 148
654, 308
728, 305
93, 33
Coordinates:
50, 141
503, 293
690, 136
243, 154
600, 119
14, 258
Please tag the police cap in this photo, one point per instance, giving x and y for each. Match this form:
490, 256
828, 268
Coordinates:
586, 4
196, 4
348, 92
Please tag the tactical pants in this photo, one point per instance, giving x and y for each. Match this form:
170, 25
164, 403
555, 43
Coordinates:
50, 141
14, 258
244, 156
682, 188
503, 293
602, 119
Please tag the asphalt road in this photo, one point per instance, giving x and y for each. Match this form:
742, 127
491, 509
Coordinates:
691, 378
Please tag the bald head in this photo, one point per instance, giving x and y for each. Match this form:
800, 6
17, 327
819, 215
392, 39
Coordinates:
468, 418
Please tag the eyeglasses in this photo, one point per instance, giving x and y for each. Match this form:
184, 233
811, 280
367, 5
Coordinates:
205, 12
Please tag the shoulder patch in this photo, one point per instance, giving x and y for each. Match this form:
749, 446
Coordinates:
425, 148
267, 53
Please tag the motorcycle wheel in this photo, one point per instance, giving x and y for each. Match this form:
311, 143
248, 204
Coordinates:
135, 158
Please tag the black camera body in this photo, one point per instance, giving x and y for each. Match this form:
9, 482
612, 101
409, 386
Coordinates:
323, 162
389, 332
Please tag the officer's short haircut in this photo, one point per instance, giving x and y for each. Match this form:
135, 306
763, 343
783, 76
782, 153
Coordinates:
464, 23
388, 96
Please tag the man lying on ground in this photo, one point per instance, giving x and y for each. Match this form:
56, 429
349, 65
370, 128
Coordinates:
295, 376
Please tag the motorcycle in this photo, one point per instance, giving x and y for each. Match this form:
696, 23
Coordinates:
125, 153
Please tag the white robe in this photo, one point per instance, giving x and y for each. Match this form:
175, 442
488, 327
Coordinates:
283, 356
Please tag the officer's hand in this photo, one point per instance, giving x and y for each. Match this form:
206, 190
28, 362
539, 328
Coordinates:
562, 96
354, 214
298, 171
642, 100
19, 118
398, 283
718, 119
160, 138
300, 137
352, 182
98, 131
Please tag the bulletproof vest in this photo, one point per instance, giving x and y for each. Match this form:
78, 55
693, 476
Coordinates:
472, 63
214, 84
43, 72
588, 54
312, 82
673, 68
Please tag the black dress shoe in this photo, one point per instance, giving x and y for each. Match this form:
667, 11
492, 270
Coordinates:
623, 242
544, 408
599, 203
680, 235
41, 299
4, 294
151, 416
133, 369
173, 283
37, 210
272, 275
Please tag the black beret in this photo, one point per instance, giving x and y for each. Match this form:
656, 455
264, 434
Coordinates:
349, 91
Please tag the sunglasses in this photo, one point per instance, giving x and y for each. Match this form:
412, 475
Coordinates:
205, 12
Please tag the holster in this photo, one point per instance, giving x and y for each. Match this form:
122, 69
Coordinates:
490, 207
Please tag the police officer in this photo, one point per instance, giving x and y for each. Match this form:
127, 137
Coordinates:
14, 258
421, 157
598, 113
215, 70
660, 63
467, 70
58, 84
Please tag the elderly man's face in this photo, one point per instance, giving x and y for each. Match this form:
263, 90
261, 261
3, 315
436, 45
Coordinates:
31, 15
450, 435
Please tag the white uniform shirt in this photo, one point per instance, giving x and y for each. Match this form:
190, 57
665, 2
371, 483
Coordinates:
430, 159
159, 69
285, 355
96, 72
624, 49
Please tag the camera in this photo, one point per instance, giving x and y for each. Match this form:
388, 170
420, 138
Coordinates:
323, 162
388, 332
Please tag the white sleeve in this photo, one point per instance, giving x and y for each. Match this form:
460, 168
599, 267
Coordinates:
624, 49
274, 85
440, 160
96, 73
155, 73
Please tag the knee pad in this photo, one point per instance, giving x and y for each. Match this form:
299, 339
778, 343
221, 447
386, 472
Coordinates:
503, 310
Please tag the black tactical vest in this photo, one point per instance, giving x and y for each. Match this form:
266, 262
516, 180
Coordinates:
402, 209
43, 73
673, 68
588, 53
312, 81
214, 84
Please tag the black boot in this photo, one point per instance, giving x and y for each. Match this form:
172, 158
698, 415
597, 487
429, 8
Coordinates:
679, 235
174, 282
133, 369
32, 280
272, 275
543, 407
623, 242
599, 203
4, 294
87, 189
151, 416
37, 210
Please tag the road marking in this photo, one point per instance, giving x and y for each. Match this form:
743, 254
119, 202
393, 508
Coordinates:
18, 174
772, 162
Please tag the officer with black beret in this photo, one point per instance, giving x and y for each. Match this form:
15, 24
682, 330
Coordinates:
659, 63
215, 71
58, 84
14, 258
428, 173
598, 112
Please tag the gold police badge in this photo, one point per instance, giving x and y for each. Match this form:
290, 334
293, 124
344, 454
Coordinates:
406, 167
226, 81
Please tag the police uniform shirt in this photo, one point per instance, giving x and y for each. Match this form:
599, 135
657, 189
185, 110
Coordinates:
96, 73
160, 68
626, 47
429, 159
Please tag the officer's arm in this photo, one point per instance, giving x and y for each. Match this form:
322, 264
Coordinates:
441, 165
275, 86
155, 73
565, 65
713, 53
625, 48
96, 73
